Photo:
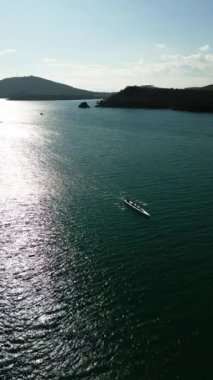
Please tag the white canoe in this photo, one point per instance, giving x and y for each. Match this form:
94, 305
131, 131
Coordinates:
137, 207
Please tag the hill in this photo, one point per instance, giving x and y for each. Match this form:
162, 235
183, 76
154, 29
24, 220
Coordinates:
36, 88
199, 100
208, 88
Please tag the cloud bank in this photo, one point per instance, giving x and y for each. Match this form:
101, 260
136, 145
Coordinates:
7, 51
173, 70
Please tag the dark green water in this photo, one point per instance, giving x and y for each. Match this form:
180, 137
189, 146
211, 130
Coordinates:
89, 289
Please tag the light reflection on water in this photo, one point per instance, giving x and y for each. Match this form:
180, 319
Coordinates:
27, 237
42, 307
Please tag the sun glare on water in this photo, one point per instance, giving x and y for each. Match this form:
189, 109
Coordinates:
24, 204
14, 117
20, 136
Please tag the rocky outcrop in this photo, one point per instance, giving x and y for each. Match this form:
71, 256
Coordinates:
84, 105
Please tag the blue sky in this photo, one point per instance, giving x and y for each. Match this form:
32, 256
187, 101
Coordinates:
107, 45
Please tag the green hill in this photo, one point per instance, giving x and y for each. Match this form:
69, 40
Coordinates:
198, 100
35, 88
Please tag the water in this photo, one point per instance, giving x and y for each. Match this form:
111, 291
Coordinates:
89, 289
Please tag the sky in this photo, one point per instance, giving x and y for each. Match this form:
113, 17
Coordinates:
107, 45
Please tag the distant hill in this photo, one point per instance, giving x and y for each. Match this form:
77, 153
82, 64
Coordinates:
35, 88
199, 100
207, 88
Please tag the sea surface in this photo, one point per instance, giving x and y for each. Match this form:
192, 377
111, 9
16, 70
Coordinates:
90, 289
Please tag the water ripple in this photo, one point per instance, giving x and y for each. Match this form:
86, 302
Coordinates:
89, 289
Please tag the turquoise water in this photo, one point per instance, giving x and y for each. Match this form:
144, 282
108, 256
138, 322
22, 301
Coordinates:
89, 288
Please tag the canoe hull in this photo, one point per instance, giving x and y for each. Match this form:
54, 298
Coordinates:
137, 208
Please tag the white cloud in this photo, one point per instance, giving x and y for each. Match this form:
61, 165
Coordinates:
169, 57
197, 61
173, 70
47, 60
7, 51
204, 47
160, 46
175, 64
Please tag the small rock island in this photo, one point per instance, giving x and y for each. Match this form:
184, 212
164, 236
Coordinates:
84, 105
